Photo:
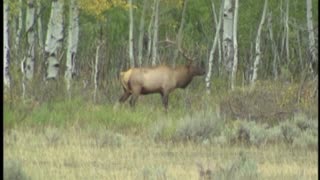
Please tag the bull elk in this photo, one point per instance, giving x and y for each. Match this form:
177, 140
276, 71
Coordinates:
161, 79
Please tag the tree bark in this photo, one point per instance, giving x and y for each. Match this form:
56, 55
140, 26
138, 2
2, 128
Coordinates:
30, 29
73, 38
217, 35
155, 34
131, 57
141, 33
96, 70
54, 39
274, 48
180, 35
219, 55
19, 30
299, 51
235, 45
6, 49
312, 47
258, 51
39, 22
287, 32
151, 24
227, 35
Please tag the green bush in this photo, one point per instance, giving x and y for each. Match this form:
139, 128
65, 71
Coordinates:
289, 131
162, 129
13, 170
242, 167
198, 128
268, 102
306, 140
253, 133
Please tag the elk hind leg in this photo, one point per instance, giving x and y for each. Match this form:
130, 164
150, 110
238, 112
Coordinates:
124, 97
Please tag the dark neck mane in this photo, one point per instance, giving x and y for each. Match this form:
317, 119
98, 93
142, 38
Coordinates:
183, 77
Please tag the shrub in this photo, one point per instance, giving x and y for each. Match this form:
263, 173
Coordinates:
162, 129
199, 128
13, 170
289, 131
268, 102
306, 140
252, 133
241, 168
52, 135
104, 138
304, 123
154, 173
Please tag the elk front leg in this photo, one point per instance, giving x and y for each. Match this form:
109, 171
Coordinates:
165, 99
124, 97
133, 99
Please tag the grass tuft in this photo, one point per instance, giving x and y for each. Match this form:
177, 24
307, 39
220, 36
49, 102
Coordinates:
13, 170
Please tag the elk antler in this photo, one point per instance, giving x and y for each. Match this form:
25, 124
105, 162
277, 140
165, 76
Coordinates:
185, 56
180, 49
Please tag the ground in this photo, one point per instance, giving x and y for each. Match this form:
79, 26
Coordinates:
75, 154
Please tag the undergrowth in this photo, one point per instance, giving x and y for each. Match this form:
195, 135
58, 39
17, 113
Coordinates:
265, 115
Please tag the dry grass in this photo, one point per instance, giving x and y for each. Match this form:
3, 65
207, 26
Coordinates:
82, 154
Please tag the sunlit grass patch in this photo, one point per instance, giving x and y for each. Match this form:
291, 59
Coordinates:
105, 154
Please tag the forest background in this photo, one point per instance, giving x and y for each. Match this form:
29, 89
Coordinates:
62, 61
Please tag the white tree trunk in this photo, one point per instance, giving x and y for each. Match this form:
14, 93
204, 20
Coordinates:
39, 24
150, 30
96, 70
141, 33
54, 39
312, 46
30, 29
131, 57
6, 56
227, 35
235, 45
217, 35
23, 80
155, 34
287, 31
219, 54
18, 36
73, 38
179, 35
258, 52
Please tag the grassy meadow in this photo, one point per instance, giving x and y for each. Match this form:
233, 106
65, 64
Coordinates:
261, 134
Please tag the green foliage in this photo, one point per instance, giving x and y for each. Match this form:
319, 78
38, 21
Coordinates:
98, 7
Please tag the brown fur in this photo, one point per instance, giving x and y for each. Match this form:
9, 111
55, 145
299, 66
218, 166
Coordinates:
161, 79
